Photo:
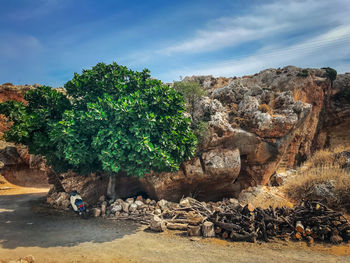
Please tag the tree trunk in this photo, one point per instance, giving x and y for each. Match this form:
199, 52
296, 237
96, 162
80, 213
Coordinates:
111, 193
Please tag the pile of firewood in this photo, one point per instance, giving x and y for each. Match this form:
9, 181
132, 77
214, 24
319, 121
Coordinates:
308, 221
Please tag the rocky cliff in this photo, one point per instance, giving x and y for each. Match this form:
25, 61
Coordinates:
258, 125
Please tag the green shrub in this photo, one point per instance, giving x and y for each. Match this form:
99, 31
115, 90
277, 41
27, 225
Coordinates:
192, 92
115, 120
303, 74
331, 73
201, 130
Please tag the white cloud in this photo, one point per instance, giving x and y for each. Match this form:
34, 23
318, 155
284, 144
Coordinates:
263, 21
328, 49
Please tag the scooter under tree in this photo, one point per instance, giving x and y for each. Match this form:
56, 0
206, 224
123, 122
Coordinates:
78, 205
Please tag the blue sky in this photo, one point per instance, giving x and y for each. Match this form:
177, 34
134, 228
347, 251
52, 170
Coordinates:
46, 41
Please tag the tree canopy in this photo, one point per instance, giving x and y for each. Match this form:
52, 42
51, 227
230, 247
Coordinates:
111, 119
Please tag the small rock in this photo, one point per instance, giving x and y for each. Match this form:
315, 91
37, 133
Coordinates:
125, 207
153, 202
96, 212
132, 208
148, 201
117, 214
103, 207
50, 201
139, 203
130, 200
157, 224
157, 211
116, 208
278, 179
61, 197
139, 198
118, 201
102, 198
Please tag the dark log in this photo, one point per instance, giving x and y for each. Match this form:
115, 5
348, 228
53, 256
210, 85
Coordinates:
298, 236
243, 237
248, 209
336, 239
346, 235
225, 235
218, 230
309, 240
228, 226
263, 230
308, 231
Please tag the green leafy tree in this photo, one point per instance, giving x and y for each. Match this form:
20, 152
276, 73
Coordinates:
115, 120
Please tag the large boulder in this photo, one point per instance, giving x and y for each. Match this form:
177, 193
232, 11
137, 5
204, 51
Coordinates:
209, 177
9, 157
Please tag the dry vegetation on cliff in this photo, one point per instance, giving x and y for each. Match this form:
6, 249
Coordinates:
330, 184
326, 177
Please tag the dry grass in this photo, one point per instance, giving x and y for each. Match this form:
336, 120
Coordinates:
322, 158
322, 179
330, 184
326, 158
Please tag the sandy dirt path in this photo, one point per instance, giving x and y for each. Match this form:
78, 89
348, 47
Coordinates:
28, 227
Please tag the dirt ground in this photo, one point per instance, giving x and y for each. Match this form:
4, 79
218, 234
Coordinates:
28, 227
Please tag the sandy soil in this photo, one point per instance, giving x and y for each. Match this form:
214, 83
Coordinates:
28, 227
6, 188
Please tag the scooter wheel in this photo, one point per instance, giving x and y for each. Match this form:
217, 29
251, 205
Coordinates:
84, 215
